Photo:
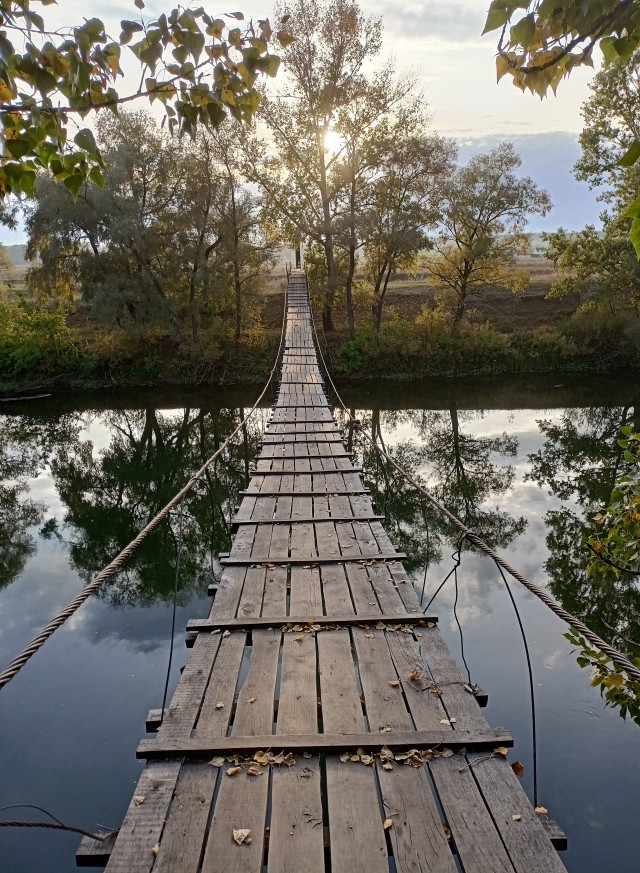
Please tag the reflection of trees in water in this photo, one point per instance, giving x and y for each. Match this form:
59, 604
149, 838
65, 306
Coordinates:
111, 494
580, 462
461, 470
26, 443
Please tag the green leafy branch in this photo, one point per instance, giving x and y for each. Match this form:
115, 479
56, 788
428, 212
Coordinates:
615, 546
199, 68
616, 688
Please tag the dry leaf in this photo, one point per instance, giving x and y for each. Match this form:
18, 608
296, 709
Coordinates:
501, 750
216, 631
518, 769
541, 810
414, 675
138, 799
306, 754
381, 625
354, 758
447, 753
516, 817
387, 765
252, 700
453, 720
394, 682
369, 636
254, 770
218, 761
155, 849
226, 633
220, 704
445, 721
262, 757
299, 639
386, 729
345, 757
367, 760
241, 835
232, 771
388, 823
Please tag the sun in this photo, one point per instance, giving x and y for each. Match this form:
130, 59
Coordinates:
333, 142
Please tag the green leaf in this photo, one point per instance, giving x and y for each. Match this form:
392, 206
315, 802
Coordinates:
498, 16
74, 183
96, 177
139, 4
237, 15
524, 31
86, 140
630, 156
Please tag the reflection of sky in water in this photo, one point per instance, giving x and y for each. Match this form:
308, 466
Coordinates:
69, 725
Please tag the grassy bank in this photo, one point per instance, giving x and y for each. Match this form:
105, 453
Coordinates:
503, 334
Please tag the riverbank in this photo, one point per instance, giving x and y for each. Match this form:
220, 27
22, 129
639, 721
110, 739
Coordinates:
503, 335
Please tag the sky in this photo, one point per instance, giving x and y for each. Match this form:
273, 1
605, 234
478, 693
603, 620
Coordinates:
439, 43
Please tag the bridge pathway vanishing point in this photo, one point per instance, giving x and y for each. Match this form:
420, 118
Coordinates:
315, 646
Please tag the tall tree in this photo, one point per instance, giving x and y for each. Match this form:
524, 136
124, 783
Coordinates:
333, 41
403, 205
611, 126
171, 233
484, 210
246, 249
599, 266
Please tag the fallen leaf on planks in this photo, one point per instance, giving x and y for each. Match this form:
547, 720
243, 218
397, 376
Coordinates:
518, 769
241, 835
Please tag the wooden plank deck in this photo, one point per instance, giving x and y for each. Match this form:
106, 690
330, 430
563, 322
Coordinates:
315, 647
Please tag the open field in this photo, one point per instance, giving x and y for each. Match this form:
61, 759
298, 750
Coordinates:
505, 311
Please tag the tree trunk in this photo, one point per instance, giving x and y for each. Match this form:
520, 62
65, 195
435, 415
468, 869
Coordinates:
327, 229
349, 290
380, 296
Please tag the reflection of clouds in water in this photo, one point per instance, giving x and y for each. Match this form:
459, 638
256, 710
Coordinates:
552, 659
144, 629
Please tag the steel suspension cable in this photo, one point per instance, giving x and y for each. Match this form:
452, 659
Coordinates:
617, 657
14, 667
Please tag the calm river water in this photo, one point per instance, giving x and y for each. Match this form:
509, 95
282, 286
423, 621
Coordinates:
521, 463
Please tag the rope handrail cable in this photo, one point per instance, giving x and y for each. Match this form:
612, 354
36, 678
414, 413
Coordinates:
14, 667
617, 657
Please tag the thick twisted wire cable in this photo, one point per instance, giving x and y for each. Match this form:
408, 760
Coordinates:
14, 667
617, 657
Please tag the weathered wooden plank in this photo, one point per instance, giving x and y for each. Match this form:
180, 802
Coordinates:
306, 594
217, 703
252, 593
241, 803
143, 823
183, 836
275, 592
335, 590
332, 619
182, 712
255, 705
417, 836
384, 701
